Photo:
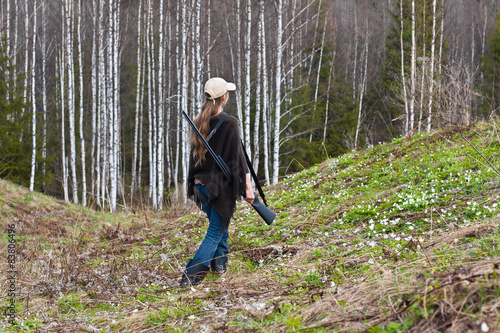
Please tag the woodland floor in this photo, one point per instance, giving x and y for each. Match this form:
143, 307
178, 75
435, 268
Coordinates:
400, 237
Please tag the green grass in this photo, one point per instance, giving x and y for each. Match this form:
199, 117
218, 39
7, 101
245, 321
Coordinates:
399, 237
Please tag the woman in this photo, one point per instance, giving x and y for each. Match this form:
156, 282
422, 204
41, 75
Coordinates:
206, 182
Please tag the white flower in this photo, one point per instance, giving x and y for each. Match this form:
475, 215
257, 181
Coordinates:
484, 327
191, 317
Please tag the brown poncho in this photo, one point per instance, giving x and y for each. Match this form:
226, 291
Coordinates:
225, 142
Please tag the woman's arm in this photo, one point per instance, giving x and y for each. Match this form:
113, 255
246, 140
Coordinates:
250, 195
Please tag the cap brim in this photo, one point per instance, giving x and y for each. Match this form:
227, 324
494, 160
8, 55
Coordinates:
231, 86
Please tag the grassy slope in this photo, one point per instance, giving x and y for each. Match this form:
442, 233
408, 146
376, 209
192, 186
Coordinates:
401, 236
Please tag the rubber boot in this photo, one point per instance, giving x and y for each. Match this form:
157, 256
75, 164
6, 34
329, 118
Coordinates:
195, 272
219, 264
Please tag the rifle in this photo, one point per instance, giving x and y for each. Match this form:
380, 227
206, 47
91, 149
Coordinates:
266, 214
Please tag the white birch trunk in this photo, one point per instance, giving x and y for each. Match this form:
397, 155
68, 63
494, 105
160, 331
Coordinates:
237, 68
102, 125
424, 71
141, 117
431, 75
111, 110
277, 110
209, 19
198, 84
138, 93
265, 97
440, 61
7, 50
184, 99
95, 101
63, 135
115, 123
71, 97
44, 89
26, 55
483, 39
403, 74
413, 67
248, 40
318, 74
314, 39
16, 38
258, 98
161, 112
151, 107
178, 124
168, 83
33, 100
362, 88
327, 103
80, 74
356, 40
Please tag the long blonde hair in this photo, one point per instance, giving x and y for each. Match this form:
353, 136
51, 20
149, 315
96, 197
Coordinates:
209, 109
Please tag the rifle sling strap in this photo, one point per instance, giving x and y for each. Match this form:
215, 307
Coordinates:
221, 120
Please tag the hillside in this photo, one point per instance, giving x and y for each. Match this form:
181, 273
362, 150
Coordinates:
403, 236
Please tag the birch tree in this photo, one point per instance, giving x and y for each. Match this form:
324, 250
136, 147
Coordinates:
33, 98
413, 68
431, 74
277, 109
95, 101
248, 45
161, 111
184, 94
265, 97
362, 84
80, 75
7, 49
138, 105
44, 88
403, 74
71, 96
26, 50
63, 125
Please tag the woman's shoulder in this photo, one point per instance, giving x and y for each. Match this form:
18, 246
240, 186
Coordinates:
232, 119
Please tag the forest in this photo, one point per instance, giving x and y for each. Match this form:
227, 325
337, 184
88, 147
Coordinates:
91, 92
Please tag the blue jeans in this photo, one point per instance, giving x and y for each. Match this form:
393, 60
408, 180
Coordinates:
215, 243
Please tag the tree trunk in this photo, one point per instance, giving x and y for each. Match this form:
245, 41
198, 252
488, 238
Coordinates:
403, 75
63, 135
277, 110
258, 98
44, 89
7, 50
161, 112
94, 98
248, 44
184, 99
71, 97
431, 75
33, 100
82, 139
363, 87
413, 68
265, 96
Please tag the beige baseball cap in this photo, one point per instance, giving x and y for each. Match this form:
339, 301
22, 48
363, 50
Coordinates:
216, 87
